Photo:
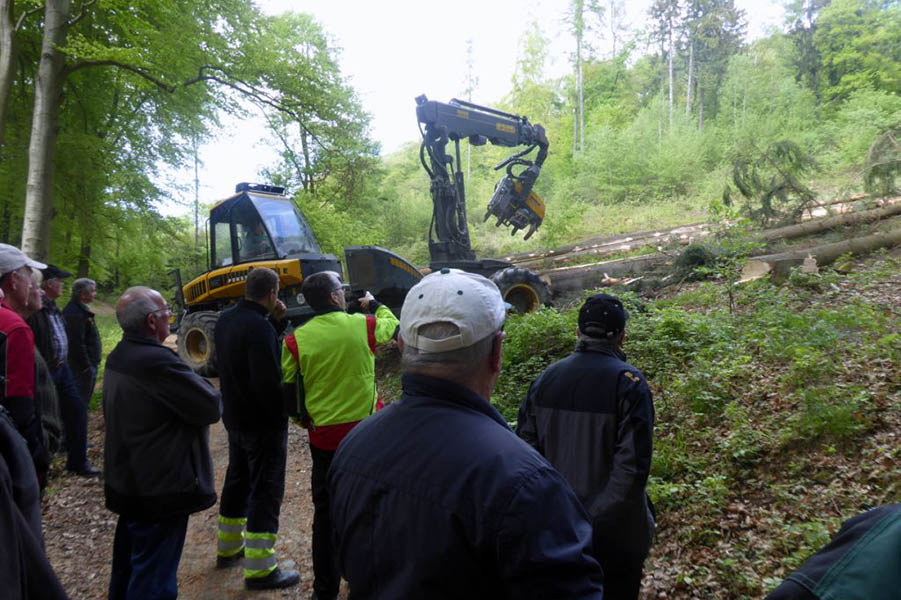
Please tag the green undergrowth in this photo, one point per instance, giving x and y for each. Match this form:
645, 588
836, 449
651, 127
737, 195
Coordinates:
773, 423
110, 334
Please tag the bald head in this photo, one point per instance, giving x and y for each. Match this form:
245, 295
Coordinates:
142, 311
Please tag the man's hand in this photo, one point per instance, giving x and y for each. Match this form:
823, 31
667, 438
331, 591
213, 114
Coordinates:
365, 300
278, 312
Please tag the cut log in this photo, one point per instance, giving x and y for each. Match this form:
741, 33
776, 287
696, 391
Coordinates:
780, 265
602, 241
819, 225
580, 277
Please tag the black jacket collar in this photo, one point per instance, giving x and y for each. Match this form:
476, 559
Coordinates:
584, 345
328, 310
254, 306
82, 307
443, 389
138, 338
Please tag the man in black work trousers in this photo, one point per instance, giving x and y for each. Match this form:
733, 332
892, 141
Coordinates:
257, 424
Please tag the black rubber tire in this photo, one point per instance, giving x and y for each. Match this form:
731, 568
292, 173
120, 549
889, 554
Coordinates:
522, 288
196, 345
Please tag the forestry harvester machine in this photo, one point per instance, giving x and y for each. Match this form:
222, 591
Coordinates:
259, 226
513, 203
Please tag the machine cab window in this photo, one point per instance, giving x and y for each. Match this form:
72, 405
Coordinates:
258, 226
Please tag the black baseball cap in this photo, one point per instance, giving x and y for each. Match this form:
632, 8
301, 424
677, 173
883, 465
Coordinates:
54, 272
602, 316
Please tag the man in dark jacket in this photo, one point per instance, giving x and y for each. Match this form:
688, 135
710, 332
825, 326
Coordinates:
257, 424
591, 415
84, 339
157, 463
53, 343
434, 497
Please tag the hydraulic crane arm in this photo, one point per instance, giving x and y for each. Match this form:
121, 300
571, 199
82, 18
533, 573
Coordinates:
513, 202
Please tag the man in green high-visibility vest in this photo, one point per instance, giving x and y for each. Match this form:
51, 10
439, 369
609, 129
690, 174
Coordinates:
331, 360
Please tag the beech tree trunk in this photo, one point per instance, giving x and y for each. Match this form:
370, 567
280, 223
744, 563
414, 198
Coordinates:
44, 129
583, 277
809, 227
779, 265
7, 60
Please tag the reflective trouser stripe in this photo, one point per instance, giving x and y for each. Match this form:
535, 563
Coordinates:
230, 535
259, 555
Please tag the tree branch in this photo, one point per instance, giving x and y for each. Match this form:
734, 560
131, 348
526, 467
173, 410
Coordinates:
25, 15
82, 12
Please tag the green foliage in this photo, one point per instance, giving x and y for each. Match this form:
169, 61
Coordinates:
532, 343
771, 185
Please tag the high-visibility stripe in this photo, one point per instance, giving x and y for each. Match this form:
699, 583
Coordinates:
259, 554
230, 536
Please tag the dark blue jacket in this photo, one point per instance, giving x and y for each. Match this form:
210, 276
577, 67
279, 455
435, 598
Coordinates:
591, 415
84, 338
434, 497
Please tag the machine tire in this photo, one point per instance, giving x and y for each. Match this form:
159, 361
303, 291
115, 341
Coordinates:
522, 288
196, 345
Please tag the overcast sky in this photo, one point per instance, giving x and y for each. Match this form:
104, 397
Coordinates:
394, 50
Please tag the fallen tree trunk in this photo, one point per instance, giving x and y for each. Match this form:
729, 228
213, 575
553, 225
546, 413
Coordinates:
580, 277
779, 265
598, 242
679, 236
802, 229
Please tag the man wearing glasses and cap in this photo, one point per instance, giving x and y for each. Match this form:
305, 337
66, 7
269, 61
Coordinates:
17, 356
591, 415
49, 327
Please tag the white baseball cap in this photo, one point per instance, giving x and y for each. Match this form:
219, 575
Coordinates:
469, 301
11, 258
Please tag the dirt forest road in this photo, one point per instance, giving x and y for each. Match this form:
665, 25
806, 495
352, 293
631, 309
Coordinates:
79, 531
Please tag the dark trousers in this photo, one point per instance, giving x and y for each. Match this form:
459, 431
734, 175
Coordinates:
255, 480
84, 382
145, 558
326, 577
622, 575
74, 413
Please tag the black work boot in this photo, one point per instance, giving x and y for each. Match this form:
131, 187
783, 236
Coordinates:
276, 579
226, 562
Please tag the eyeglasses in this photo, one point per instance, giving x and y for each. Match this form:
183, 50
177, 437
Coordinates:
166, 309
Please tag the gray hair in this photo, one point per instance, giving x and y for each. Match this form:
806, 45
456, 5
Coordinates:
134, 306
461, 360
82, 285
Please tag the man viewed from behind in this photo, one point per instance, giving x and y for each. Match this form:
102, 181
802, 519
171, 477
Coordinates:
257, 424
329, 362
435, 497
84, 339
591, 415
17, 358
157, 463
